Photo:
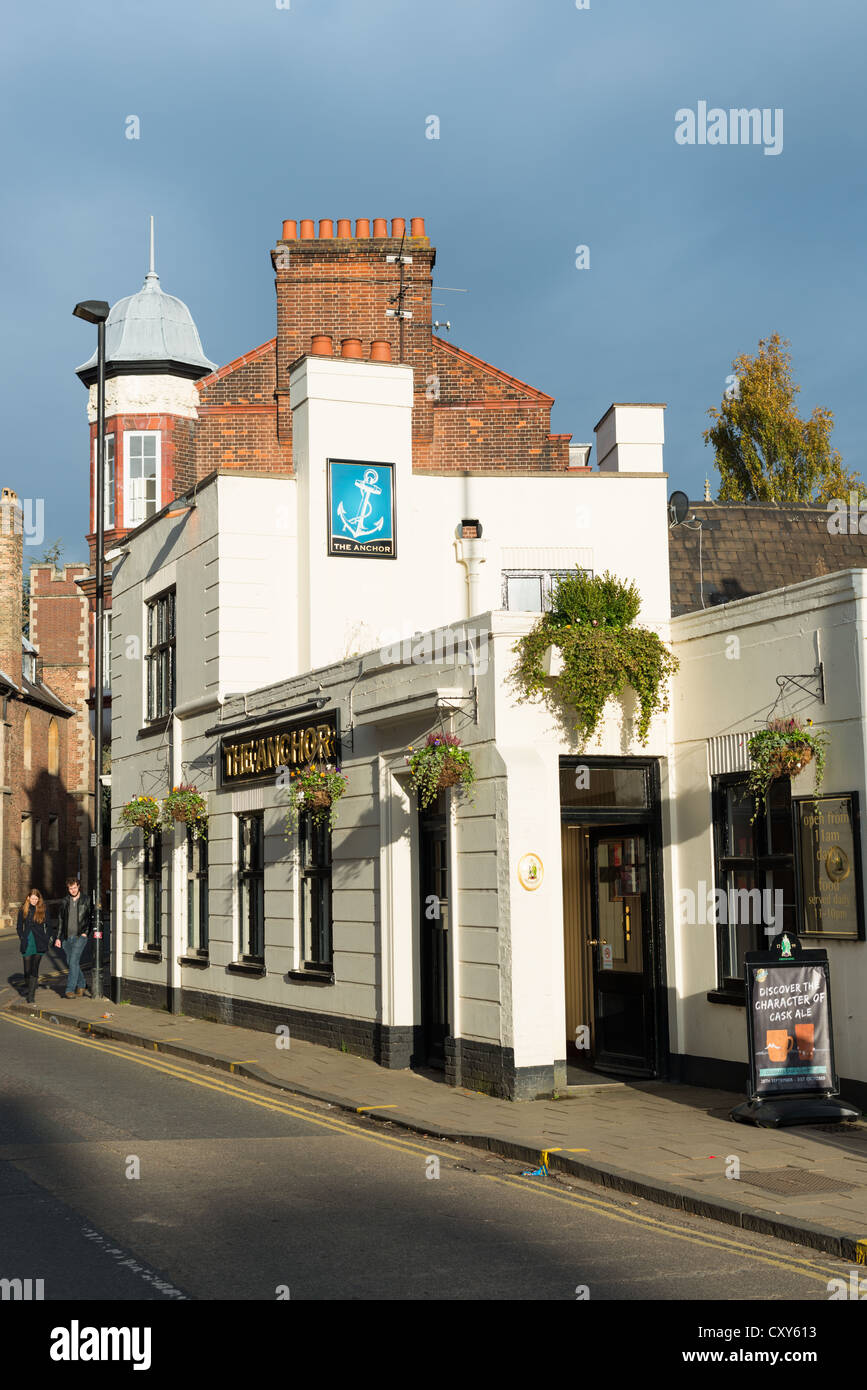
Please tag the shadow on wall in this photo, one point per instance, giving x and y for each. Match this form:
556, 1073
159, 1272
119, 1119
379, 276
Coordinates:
54, 846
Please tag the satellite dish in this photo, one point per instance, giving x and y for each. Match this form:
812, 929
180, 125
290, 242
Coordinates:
678, 507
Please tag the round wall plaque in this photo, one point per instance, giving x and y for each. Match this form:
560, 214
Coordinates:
531, 871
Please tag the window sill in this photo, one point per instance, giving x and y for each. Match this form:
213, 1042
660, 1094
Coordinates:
154, 726
724, 996
202, 962
244, 967
311, 977
148, 955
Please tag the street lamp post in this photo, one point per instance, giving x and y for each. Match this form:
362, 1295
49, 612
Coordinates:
96, 311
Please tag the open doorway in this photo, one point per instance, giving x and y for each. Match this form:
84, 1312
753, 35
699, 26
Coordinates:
612, 918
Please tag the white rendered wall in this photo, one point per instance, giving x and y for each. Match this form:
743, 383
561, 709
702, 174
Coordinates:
361, 410
730, 658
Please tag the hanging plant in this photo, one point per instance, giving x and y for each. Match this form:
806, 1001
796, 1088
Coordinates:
592, 624
442, 762
185, 803
784, 749
142, 811
316, 790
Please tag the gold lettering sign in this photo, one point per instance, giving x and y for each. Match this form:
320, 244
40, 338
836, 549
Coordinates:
256, 758
830, 865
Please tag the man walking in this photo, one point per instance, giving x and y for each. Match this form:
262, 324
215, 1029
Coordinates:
74, 918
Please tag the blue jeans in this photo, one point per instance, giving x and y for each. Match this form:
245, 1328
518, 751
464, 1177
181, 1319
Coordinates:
73, 948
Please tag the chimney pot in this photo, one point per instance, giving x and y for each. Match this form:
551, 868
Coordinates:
344, 227
326, 229
307, 229
321, 345
362, 227
380, 226
350, 347
290, 231
380, 350
416, 226
398, 226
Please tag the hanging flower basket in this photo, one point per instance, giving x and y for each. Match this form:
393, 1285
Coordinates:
441, 763
784, 749
185, 803
587, 649
315, 790
142, 812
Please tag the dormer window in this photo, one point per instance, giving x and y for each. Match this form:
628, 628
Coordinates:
141, 476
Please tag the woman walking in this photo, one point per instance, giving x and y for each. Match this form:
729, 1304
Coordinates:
33, 938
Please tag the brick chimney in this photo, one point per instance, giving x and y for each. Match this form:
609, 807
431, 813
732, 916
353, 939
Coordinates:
344, 288
11, 562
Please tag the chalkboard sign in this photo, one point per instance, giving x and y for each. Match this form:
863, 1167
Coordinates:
791, 1040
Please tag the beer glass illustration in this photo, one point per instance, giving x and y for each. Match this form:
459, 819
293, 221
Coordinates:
779, 1044
804, 1041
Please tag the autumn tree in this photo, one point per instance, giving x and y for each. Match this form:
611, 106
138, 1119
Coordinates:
764, 451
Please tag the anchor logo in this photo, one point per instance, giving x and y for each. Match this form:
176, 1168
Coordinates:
354, 525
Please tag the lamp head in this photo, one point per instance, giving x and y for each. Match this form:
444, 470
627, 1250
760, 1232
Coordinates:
92, 310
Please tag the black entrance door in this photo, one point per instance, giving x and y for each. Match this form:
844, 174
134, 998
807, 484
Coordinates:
434, 932
621, 945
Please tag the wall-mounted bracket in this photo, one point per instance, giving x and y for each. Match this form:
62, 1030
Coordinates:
817, 676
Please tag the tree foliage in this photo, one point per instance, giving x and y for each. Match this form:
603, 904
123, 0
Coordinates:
764, 451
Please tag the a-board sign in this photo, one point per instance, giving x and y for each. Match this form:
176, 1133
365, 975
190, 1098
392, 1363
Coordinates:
791, 1040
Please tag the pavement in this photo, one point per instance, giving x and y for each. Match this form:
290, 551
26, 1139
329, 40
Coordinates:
673, 1145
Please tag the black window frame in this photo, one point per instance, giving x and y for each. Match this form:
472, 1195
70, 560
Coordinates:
161, 657
315, 871
251, 884
197, 874
152, 875
761, 863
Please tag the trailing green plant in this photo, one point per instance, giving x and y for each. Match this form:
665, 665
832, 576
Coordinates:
784, 749
186, 803
316, 790
592, 624
142, 811
442, 762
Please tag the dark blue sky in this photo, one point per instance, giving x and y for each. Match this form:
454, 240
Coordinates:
557, 129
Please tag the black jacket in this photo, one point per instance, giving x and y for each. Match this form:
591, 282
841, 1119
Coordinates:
84, 916
27, 924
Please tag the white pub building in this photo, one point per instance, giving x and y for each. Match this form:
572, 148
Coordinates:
326, 551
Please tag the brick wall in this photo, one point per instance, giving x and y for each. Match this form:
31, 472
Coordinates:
11, 559
237, 426
59, 627
344, 288
38, 791
467, 414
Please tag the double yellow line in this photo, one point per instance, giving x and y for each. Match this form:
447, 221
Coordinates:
810, 1269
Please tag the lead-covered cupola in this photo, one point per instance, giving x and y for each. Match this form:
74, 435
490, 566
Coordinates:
150, 333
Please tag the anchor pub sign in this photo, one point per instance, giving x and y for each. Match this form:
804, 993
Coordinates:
361, 509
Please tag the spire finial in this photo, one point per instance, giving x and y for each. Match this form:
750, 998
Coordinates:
707, 496
152, 280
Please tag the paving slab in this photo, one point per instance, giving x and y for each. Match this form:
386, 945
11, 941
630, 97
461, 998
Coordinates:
619, 1137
